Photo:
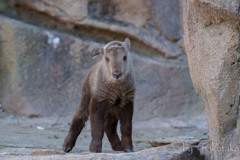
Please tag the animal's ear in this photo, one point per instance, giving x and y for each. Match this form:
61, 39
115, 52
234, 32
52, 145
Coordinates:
96, 52
127, 43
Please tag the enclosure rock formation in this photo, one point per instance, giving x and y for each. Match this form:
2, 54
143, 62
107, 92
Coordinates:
211, 39
45, 52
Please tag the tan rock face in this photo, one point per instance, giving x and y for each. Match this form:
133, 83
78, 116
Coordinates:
135, 12
159, 17
211, 38
70, 10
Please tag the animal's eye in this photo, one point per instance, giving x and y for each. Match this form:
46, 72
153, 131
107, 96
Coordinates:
107, 59
124, 58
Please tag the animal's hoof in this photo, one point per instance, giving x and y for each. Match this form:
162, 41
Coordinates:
67, 147
128, 150
66, 150
69, 143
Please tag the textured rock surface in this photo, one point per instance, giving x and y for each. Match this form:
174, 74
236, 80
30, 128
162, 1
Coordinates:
163, 16
230, 5
211, 36
175, 140
43, 71
70, 10
109, 20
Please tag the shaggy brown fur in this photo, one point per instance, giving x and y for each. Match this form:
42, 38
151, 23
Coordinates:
108, 96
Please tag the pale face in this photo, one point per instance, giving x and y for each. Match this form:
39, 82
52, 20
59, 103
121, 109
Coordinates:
115, 60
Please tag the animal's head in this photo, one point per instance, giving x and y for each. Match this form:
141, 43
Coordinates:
116, 58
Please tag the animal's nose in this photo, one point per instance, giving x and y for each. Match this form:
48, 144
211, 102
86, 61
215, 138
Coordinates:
117, 75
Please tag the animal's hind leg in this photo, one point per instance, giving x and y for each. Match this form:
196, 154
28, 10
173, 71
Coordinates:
110, 128
75, 129
78, 122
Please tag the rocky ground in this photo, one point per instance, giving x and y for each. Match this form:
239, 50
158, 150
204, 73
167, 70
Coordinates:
41, 138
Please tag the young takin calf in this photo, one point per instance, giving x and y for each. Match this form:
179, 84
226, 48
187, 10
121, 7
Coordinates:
108, 96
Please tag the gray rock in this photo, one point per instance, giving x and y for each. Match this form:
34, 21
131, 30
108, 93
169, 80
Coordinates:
191, 154
176, 140
40, 68
166, 18
229, 5
158, 93
43, 71
118, 18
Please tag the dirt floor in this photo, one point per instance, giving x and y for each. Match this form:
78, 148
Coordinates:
35, 138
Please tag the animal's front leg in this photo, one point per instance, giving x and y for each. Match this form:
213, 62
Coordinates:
97, 112
126, 127
111, 131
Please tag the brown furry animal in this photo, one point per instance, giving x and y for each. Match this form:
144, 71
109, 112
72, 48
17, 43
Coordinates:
108, 96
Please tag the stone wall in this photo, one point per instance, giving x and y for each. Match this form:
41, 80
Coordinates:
45, 47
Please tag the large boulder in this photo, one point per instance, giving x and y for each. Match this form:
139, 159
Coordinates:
41, 70
153, 24
161, 16
211, 38
41, 73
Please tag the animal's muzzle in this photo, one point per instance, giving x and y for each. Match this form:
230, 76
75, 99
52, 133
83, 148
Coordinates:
117, 75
